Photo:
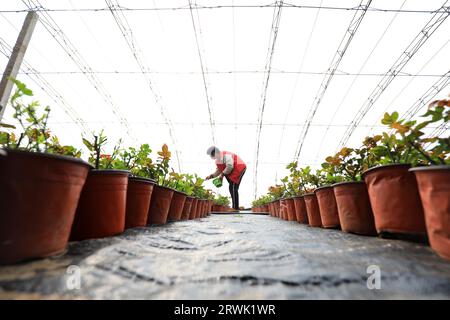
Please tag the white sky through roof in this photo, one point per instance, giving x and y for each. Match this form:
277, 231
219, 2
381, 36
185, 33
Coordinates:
234, 46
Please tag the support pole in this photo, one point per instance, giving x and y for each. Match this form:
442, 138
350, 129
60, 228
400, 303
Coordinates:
15, 60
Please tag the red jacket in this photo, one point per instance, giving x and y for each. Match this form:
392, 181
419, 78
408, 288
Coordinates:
238, 166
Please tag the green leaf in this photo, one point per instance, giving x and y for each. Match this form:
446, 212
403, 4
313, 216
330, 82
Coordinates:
22, 87
88, 144
386, 119
394, 116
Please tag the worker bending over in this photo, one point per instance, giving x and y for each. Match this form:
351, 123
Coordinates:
230, 166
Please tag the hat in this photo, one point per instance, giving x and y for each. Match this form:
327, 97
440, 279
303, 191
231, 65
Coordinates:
212, 151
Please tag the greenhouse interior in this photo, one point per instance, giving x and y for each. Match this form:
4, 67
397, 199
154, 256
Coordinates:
224, 150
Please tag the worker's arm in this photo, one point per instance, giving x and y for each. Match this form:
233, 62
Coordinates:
214, 175
229, 164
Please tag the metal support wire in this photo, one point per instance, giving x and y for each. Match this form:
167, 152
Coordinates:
430, 27
343, 46
355, 78
272, 41
302, 62
56, 32
127, 33
52, 93
313, 73
203, 68
243, 6
428, 96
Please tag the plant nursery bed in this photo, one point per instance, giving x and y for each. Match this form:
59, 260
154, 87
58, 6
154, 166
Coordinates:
232, 256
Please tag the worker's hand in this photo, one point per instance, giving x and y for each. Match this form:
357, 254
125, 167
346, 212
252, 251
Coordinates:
208, 177
221, 176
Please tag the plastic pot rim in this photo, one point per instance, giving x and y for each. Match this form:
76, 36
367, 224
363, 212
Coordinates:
109, 171
328, 186
141, 179
178, 192
347, 182
390, 165
431, 168
310, 194
163, 187
45, 155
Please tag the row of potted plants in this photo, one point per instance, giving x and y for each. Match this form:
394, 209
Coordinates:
396, 184
48, 195
261, 204
221, 204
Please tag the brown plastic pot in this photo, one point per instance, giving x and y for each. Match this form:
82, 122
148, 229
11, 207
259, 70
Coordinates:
312, 209
208, 208
204, 208
290, 209
395, 201
434, 189
276, 205
187, 208
102, 206
176, 206
211, 202
139, 193
199, 208
355, 212
283, 209
327, 207
193, 209
160, 205
38, 198
300, 210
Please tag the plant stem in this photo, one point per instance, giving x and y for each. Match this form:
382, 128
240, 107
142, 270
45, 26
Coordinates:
424, 154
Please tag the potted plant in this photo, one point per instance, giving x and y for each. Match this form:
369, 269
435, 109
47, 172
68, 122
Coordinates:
352, 199
210, 195
221, 203
188, 188
276, 192
433, 179
208, 202
201, 194
102, 206
312, 181
261, 204
326, 199
140, 186
177, 182
162, 195
290, 192
392, 188
40, 184
298, 189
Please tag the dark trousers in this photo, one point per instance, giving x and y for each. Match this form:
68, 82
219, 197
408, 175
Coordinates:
234, 191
